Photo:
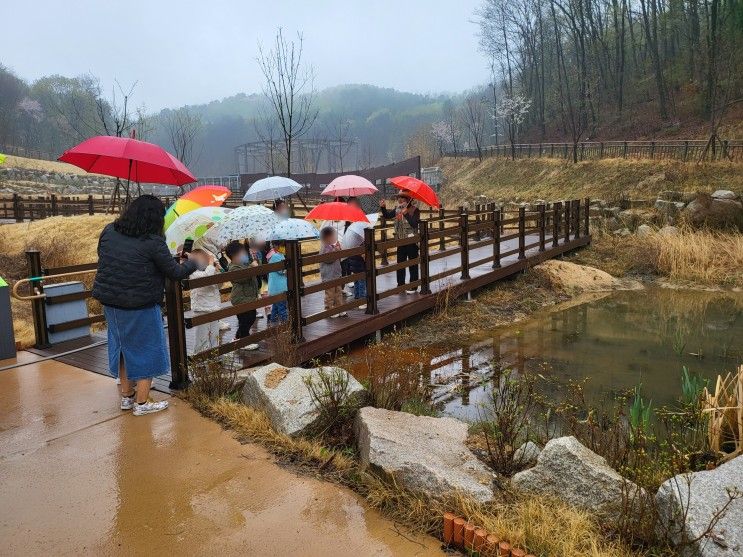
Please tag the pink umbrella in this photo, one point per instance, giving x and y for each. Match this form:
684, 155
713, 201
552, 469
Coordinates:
349, 185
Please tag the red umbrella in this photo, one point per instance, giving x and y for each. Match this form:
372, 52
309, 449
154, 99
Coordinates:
417, 189
337, 211
134, 160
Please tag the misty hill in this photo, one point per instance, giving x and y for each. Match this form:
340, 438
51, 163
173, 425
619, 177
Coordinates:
377, 121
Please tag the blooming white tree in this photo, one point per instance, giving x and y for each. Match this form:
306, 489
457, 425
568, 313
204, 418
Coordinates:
513, 109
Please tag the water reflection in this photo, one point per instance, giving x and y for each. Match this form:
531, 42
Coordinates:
617, 340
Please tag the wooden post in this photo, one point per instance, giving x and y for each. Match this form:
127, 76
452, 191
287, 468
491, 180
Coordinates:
385, 261
601, 150
478, 208
586, 215
576, 216
54, 205
176, 334
371, 271
294, 285
38, 306
17, 212
425, 273
464, 232
556, 207
496, 238
502, 212
522, 232
442, 240
686, 150
542, 226
567, 221
91, 208
624, 155
652, 149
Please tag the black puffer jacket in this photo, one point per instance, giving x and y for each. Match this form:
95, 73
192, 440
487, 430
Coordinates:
131, 271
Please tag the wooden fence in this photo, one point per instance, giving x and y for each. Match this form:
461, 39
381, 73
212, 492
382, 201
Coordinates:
683, 150
451, 242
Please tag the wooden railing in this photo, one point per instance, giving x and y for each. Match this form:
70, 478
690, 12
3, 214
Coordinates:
452, 232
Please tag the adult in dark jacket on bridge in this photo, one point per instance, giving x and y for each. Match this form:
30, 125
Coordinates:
407, 217
133, 262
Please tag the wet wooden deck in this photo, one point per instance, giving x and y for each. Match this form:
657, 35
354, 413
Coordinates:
327, 335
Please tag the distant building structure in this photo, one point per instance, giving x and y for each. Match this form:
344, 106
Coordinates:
433, 176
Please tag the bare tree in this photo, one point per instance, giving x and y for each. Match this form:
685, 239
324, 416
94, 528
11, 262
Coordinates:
289, 89
338, 132
183, 127
473, 118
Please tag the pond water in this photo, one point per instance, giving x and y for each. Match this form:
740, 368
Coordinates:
617, 340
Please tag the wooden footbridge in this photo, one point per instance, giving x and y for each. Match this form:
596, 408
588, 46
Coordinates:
460, 251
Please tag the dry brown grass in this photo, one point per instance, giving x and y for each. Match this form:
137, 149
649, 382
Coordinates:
61, 240
609, 179
543, 526
11, 161
692, 257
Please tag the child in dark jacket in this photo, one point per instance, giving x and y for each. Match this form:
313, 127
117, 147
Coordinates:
243, 290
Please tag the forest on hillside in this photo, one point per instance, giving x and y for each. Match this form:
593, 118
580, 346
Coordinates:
553, 70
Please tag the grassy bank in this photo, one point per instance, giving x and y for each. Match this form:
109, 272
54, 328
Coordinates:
609, 179
690, 258
529, 522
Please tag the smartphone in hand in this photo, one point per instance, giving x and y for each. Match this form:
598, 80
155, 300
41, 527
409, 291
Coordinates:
188, 245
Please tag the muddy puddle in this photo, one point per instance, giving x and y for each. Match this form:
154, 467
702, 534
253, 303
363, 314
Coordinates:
617, 340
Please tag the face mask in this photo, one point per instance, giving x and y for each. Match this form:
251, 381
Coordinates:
284, 213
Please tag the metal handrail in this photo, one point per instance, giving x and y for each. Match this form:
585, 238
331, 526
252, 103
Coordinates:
40, 295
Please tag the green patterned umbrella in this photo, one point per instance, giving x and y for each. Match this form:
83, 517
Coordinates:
193, 225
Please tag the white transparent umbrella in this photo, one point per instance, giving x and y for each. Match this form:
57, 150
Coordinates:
354, 235
273, 187
251, 221
293, 229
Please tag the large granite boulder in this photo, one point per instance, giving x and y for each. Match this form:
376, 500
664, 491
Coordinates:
715, 212
688, 503
422, 453
282, 393
570, 472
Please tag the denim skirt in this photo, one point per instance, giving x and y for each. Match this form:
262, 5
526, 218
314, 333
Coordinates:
137, 336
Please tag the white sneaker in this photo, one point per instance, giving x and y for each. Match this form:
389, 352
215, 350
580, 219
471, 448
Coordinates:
334, 316
260, 316
342, 314
411, 291
252, 347
224, 326
347, 294
362, 307
149, 407
127, 402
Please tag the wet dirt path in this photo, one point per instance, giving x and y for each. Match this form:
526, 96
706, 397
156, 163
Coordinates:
79, 476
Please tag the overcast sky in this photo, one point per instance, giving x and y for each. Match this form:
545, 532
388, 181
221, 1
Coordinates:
187, 51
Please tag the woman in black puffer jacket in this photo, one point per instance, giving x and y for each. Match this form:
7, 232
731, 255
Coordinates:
133, 261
